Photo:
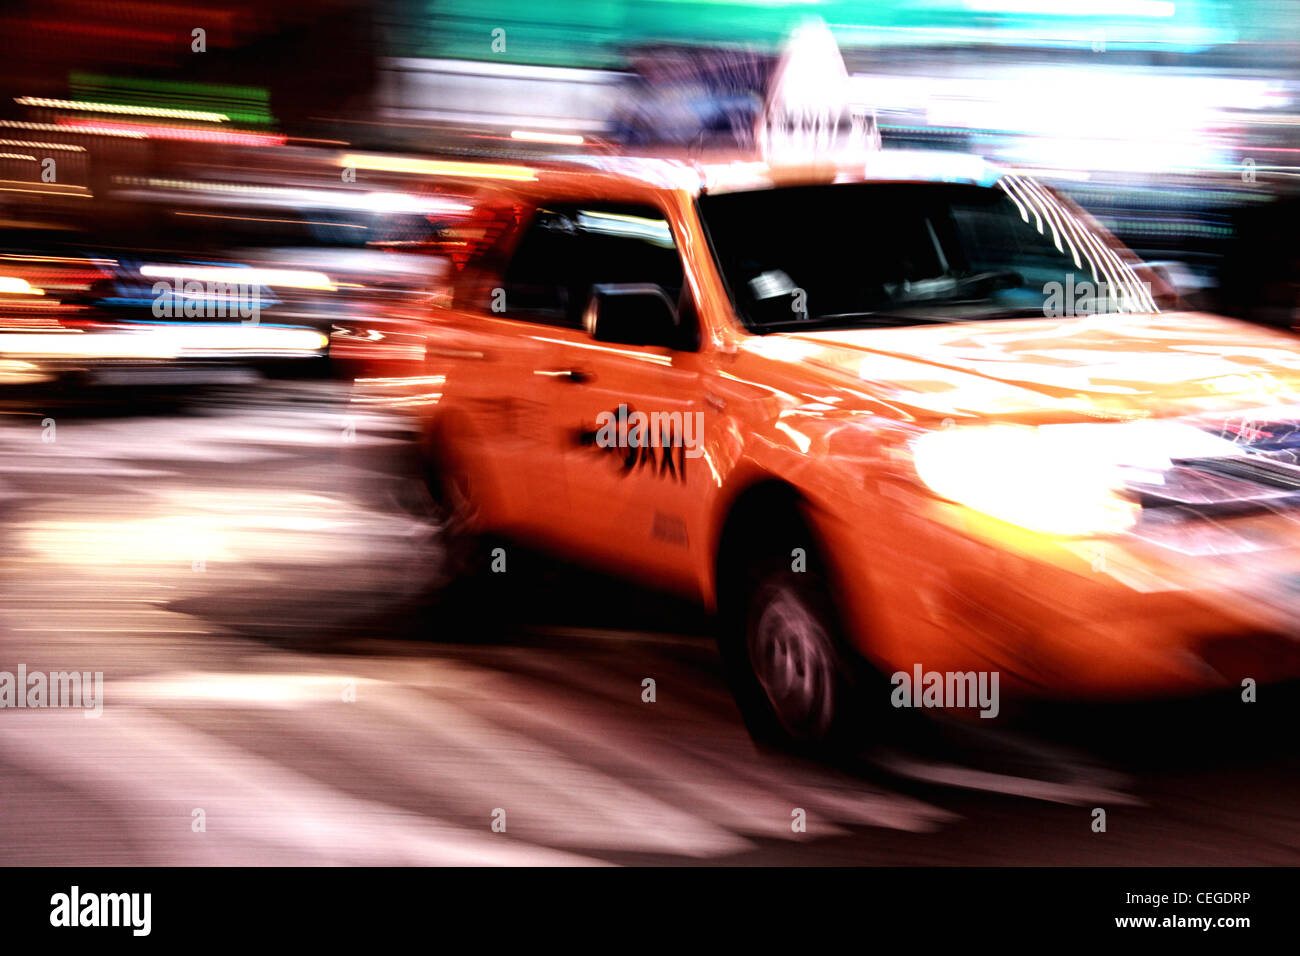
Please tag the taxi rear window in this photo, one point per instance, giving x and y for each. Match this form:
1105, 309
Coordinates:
565, 250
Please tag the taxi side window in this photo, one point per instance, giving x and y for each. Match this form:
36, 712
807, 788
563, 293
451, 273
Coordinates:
566, 250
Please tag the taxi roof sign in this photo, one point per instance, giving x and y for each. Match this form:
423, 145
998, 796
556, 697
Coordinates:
808, 115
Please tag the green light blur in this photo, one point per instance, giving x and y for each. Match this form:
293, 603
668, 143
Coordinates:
245, 105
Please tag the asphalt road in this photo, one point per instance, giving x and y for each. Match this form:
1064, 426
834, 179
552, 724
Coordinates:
278, 668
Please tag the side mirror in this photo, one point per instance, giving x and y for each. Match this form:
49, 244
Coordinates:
631, 313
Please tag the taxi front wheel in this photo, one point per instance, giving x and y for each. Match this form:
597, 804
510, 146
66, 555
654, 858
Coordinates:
786, 664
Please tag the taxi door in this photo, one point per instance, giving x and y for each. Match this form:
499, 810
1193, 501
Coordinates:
630, 455
632, 493
498, 426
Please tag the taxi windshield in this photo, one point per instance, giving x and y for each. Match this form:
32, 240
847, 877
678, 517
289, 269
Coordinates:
881, 254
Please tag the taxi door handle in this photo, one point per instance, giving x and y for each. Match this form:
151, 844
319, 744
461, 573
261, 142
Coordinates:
575, 375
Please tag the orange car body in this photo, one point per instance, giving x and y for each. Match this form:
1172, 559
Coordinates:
1202, 598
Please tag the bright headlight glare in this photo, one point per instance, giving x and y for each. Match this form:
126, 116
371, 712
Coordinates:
1061, 479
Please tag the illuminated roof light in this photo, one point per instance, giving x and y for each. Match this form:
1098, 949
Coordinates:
808, 114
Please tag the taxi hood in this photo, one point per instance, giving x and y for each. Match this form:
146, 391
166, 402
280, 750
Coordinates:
1110, 367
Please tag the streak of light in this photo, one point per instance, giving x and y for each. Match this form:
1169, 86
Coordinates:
229, 137
60, 259
282, 278
46, 192
15, 286
163, 341
158, 111
438, 167
57, 128
541, 136
298, 222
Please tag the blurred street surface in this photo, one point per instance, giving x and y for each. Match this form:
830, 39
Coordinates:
260, 601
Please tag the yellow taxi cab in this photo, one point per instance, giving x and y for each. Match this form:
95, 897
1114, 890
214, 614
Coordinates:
914, 416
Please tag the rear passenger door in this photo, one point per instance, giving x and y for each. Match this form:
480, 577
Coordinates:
627, 508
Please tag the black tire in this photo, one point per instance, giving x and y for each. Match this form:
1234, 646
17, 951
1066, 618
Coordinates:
382, 469
476, 591
463, 550
795, 680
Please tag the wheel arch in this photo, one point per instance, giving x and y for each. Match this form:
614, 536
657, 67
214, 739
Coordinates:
761, 509
447, 442
764, 506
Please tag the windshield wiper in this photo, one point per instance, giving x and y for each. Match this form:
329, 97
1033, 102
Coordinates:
951, 287
850, 319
